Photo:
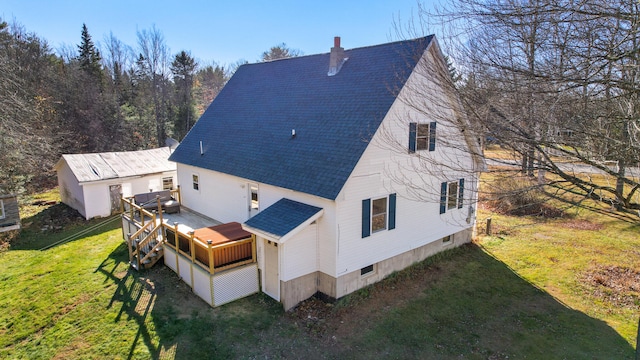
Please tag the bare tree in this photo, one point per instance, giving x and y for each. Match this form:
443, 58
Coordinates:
556, 84
154, 54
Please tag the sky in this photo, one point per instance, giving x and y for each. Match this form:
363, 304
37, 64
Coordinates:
215, 30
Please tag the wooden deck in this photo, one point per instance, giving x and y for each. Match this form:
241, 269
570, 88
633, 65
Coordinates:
189, 220
188, 234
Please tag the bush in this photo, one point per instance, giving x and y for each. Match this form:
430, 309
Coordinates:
520, 195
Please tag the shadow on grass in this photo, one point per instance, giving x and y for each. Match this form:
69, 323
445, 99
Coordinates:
477, 307
459, 304
172, 322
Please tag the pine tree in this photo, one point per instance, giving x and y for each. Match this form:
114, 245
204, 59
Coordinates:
89, 56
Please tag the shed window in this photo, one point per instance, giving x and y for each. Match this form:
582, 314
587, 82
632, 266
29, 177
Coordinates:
196, 181
167, 183
2, 214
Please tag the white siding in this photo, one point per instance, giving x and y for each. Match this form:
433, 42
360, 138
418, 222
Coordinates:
386, 167
225, 198
97, 200
92, 199
299, 254
70, 191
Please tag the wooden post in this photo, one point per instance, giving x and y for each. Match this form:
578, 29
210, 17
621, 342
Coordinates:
193, 255
211, 267
137, 254
253, 248
159, 209
177, 244
488, 230
179, 196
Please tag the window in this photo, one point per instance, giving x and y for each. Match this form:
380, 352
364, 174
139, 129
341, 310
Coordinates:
378, 215
167, 183
196, 182
366, 270
451, 195
2, 215
254, 197
422, 136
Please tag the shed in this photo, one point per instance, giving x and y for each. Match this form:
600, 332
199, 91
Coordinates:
9, 213
93, 183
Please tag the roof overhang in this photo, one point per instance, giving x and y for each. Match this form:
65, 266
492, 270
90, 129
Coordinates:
298, 220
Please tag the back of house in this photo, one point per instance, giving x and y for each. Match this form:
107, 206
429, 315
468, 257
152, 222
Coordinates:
338, 163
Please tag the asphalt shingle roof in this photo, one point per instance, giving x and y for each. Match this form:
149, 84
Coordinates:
247, 129
282, 217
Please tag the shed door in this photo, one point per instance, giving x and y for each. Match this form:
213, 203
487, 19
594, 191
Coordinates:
271, 273
115, 192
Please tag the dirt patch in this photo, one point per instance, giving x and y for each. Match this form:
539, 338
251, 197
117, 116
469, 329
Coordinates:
578, 224
617, 285
333, 322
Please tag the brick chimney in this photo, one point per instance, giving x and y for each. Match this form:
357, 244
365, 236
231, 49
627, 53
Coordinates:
336, 58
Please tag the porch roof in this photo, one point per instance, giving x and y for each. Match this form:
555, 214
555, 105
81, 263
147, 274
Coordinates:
283, 219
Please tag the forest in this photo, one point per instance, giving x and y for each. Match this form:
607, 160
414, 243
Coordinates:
86, 98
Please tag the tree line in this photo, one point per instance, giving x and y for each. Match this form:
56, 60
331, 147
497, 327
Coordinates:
95, 99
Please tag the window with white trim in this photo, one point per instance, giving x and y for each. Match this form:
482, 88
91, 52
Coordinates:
378, 214
196, 181
167, 183
451, 195
422, 136
2, 214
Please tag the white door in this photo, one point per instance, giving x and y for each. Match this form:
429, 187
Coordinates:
271, 273
254, 201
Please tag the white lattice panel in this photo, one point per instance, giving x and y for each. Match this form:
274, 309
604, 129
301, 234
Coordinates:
235, 284
202, 284
185, 269
170, 258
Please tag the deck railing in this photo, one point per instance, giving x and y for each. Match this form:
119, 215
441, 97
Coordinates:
212, 258
202, 252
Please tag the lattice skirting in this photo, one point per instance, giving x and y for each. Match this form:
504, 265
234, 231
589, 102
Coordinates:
216, 289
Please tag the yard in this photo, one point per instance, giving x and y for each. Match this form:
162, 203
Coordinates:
539, 288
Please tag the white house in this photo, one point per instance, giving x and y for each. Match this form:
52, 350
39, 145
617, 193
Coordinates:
93, 183
304, 152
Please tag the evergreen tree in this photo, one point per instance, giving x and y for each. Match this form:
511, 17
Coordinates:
89, 56
183, 68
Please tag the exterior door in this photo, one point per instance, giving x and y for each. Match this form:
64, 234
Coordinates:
115, 192
271, 273
254, 201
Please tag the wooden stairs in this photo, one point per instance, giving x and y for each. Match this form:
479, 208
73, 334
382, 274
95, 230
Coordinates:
146, 247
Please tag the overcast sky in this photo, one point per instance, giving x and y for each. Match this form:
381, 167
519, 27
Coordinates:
221, 31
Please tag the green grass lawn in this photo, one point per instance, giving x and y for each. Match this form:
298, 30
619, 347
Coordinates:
536, 289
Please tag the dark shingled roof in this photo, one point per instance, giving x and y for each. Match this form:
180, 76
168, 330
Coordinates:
282, 217
246, 131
